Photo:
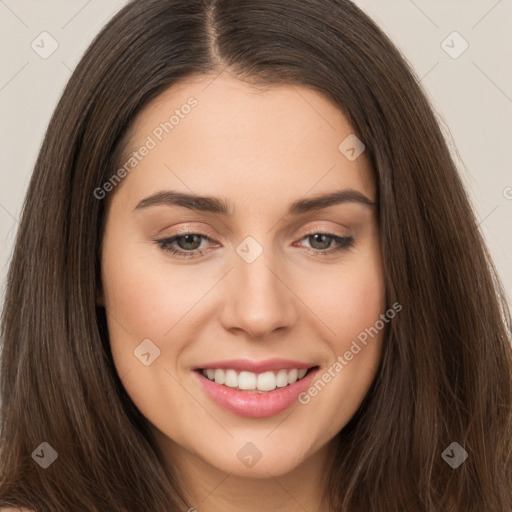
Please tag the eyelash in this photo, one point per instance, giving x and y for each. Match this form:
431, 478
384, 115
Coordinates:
345, 243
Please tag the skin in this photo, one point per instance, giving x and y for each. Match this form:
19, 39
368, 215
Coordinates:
260, 149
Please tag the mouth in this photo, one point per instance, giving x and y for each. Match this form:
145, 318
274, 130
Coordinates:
255, 394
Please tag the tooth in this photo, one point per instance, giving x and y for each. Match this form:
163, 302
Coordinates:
282, 378
292, 376
266, 381
219, 376
231, 379
247, 380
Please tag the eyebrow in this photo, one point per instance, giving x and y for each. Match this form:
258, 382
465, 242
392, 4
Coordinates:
223, 207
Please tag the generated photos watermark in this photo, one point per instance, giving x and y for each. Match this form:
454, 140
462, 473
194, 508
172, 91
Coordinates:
343, 360
151, 142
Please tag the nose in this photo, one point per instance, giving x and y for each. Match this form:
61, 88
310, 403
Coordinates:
258, 299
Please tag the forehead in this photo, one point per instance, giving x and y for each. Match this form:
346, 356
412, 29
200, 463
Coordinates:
221, 136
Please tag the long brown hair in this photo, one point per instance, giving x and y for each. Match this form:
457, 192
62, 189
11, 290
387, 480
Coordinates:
446, 369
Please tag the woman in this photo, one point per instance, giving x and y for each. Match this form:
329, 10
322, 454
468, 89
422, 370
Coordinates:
247, 276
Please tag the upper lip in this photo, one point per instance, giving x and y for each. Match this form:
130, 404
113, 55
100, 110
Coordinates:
256, 366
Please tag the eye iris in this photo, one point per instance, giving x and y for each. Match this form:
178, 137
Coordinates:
326, 244
188, 240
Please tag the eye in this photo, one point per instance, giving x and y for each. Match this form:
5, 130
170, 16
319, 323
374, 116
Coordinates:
187, 245
321, 243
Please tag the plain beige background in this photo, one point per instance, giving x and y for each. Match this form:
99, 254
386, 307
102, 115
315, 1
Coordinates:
470, 89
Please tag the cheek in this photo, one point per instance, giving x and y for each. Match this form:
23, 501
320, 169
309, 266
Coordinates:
131, 296
362, 302
142, 292
139, 298
358, 300
352, 297
144, 302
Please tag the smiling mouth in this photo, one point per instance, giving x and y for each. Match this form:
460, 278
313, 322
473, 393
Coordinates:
270, 389
263, 382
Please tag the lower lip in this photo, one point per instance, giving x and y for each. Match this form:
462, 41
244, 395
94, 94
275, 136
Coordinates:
253, 404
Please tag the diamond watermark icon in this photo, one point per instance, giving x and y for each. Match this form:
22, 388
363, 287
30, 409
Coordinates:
454, 455
44, 45
44, 455
249, 455
146, 352
249, 249
351, 147
454, 45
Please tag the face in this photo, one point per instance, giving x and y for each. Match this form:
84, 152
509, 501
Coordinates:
234, 320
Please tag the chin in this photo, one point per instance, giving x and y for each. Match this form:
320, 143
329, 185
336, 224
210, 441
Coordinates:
273, 463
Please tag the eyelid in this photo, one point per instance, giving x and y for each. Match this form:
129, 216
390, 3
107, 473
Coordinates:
344, 241
186, 230
204, 231
318, 228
